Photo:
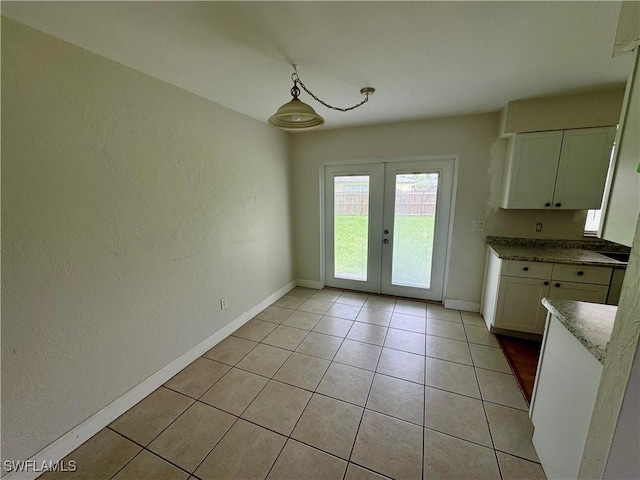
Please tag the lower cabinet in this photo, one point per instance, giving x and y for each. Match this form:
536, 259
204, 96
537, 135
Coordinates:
563, 399
513, 291
615, 289
519, 307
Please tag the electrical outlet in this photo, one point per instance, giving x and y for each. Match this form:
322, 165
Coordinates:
223, 303
478, 225
538, 227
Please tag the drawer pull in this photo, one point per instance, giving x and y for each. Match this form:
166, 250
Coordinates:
546, 283
557, 284
547, 204
558, 204
580, 273
526, 269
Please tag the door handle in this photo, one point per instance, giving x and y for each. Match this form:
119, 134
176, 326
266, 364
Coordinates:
386, 232
385, 241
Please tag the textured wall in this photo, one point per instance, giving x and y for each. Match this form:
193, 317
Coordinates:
472, 138
623, 460
614, 382
129, 207
560, 112
623, 205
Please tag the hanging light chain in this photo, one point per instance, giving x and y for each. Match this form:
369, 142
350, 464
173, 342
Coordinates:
365, 91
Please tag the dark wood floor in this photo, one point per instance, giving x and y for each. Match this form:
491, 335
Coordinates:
523, 357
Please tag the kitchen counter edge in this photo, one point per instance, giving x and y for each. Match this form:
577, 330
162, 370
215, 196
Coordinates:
590, 323
572, 256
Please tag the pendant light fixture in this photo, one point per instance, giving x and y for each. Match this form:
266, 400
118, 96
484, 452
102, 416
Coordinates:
296, 116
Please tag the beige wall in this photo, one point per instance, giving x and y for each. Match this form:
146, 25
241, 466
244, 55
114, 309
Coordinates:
623, 460
610, 408
623, 204
129, 207
560, 112
472, 139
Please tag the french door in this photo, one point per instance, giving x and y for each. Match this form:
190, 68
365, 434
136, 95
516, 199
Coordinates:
387, 226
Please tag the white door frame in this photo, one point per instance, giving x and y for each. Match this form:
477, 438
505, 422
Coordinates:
454, 159
375, 171
445, 171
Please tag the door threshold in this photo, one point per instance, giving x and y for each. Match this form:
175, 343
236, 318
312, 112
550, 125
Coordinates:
382, 295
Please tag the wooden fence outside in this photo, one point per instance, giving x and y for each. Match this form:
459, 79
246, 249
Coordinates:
407, 203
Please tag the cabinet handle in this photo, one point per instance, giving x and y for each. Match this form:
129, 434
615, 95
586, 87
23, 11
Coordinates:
580, 273
546, 283
558, 204
548, 204
557, 284
526, 269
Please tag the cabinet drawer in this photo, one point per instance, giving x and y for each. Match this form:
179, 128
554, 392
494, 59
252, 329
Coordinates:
582, 292
514, 268
582, 274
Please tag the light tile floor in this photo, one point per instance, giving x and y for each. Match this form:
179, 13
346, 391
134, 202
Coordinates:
330, 384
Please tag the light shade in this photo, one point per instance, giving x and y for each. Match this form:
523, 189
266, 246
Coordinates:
296, 116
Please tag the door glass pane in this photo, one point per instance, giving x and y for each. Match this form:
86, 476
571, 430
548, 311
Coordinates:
351, 226
414, 222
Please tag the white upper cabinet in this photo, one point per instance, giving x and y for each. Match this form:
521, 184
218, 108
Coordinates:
532, 170
561, 169
584, 161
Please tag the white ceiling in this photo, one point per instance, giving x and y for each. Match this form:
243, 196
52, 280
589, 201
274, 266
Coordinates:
425, 59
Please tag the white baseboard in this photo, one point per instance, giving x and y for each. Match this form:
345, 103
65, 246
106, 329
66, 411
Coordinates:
87, 429
462, 305
301, 282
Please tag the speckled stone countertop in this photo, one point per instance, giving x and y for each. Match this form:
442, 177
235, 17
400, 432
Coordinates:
590, 323
578, 252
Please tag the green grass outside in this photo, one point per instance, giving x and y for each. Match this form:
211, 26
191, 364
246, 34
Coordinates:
412, 249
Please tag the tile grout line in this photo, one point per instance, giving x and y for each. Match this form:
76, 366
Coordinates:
131, 459
144, 448
315, 392
303, 410
383, 346
424, 384
316, 388
387, 374
424, 397
238, 418
486, 416
364, 408
481, 401
204, 403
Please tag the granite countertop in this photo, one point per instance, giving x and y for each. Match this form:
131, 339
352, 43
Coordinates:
554, 251
554, 255
590, 323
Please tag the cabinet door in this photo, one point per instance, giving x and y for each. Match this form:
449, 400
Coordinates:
519, 306
532, 172
583, 292
582, 172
